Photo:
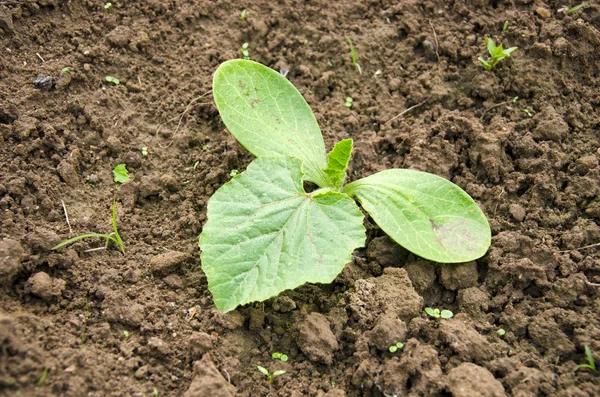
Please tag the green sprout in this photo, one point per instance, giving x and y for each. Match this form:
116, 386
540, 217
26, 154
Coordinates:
501, 332
527, 112
565, 9
270, 377
436, 313
590, 364
515, 99
155, 392
505, 26
396, 347
233, 173
244, 51
120, 174
126, 334
354, 57
144, 151
113, 80
43, 377
243, 14
497, 53
65, 70
280, 356
348, 102
107, 6
114, 236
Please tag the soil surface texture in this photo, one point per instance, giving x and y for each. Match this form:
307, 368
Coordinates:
523, 140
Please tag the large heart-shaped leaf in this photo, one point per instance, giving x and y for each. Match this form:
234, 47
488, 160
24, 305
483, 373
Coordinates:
268, 116
265, 234
424, 213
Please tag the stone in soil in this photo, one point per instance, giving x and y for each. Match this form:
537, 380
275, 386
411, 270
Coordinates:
208, 381
316, 340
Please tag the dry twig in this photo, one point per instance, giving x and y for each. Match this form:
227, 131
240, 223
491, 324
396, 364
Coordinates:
407, 110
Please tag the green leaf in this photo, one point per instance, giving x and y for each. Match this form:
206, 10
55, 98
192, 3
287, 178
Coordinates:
424, 213
120, 174
265, 234
508, 51
268, 116
278, 373
446, 314
263, 370
490, 45
430, 311
337, 163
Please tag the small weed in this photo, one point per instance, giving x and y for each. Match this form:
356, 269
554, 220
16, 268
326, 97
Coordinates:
569, 11
280, 356
590, 364
436, 313
120, 174
107, 6
528, 112
354, 56
144, 151
113, 80
244, 51
501, 332
497, 53
155, 392
43, 377
114, 236
515, 99
233, 173
505, 26
65, 70
126, 334
270, 377
349, 102
243, 14
396, 347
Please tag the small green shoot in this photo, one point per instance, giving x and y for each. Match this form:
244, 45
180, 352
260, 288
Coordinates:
591, 364
354, 56
120, 174
528, 112
280, 356
501, 332
436, 313
43, 377
155, 392
114, 236
233, 173
126, 334
144, 151
515, 99
65, 70
565, 9
107, 6
497, 54
113, 80
396, 347
270, 377
244, 50
505, 26
348, 102
243, 14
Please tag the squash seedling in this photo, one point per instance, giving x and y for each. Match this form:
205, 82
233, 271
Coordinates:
437, 313
270, 377
497, 54
265, 233
280, 356
113, 237
113, 80
349, 102
396, 347
591, 364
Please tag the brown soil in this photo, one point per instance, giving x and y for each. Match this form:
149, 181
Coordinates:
99, 323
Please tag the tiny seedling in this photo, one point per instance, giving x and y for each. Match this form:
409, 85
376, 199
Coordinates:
354, 56
265, 233
396, 347
43, 377
501, 332
233, 173
114, 236
126, 334
528, 112
348, 102
270, 377
244, 50
144, 151
120, 174
505, 26
243, 14
497, 54
280, 356
65, 70
591, 364
113, 80
437, 313
569, 10
107, 6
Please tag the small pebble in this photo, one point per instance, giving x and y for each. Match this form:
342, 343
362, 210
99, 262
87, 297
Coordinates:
41, 82
517, 212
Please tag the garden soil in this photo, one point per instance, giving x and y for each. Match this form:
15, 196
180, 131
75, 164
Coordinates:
523, 140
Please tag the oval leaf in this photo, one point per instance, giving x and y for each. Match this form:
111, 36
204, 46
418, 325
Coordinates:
264, 234
268, 116
337, 163
424, 213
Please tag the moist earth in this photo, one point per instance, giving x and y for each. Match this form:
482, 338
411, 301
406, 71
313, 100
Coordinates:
522, 140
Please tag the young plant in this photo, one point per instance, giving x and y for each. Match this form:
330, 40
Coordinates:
120, 173
497, 54
244, 50
270, 377
436, 313
354, 56
590, 364
280, 356
265, 233
349, 102
114, 236
396, 347
113, 80
569, 10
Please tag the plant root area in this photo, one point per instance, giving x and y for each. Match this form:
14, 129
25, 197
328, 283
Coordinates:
523, 140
